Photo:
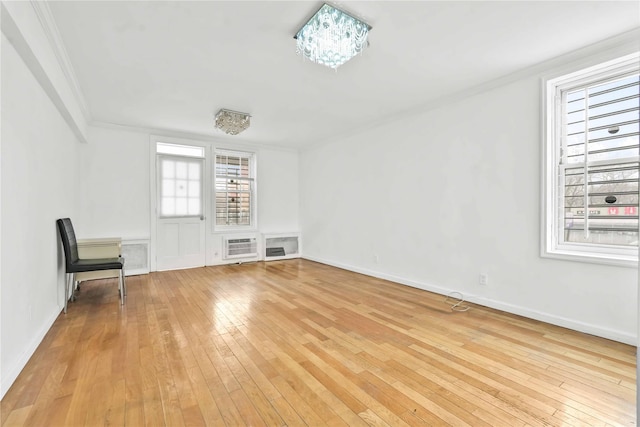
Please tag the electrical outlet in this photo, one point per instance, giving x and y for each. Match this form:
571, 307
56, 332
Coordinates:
376, 259
483, 279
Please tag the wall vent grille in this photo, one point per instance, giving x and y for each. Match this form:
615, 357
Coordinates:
136, 257
281, 246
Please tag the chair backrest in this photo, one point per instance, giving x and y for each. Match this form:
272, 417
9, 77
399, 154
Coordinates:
69, 242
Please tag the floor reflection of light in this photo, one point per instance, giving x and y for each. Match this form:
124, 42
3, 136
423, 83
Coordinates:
231, 311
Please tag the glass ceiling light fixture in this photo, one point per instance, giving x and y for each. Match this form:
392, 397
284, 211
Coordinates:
332, 37
232, 122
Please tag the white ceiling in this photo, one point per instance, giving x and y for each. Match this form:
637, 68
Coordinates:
171, 66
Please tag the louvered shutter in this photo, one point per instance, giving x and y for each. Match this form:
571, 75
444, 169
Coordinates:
233, 189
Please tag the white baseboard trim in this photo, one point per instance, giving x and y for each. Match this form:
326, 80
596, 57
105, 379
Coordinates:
9, 378
232, 261
575, 325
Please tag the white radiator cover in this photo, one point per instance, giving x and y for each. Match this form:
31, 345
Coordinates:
277, 246
240, 247
136, 256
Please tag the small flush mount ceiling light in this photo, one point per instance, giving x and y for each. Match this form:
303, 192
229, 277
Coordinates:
332, 37
232, 122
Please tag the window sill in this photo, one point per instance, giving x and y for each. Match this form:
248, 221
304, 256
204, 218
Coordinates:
235, 229
592, 258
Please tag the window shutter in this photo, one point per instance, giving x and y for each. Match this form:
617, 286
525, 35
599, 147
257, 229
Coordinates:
234, 189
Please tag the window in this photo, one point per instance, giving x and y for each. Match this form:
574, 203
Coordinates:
235, 189
180, 170
179, 149
591, 163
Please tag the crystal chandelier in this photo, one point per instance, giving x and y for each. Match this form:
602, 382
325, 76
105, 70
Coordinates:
232, 122
332, 37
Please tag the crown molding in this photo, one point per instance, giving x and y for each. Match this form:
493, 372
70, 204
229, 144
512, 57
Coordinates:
20, 34
610, 48
170, 133
50, 29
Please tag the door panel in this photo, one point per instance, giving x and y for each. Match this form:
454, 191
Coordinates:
169, 239
191, 237
180, 219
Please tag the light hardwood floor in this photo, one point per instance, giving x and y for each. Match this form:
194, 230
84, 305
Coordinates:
299, 343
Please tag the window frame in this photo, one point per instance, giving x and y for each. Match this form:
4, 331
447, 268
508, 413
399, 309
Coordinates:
253, 206
551, 228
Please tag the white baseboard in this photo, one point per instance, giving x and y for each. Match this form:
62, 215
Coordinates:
13, 372
575, 325
232, 261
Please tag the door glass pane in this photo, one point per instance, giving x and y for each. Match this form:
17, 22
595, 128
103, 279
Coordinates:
194, 206
194, 189
180, 183
181, 206
181, 169
168, 168
168, 188
181, 188
168, 206
194, 171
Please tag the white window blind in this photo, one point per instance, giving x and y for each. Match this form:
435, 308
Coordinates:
234, 188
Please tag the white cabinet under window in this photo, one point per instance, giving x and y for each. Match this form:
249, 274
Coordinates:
281, 246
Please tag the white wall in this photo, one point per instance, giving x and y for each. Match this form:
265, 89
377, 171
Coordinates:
103, 186
278, 199
39, 184
278, 191
451, 193
30, 28
116, 187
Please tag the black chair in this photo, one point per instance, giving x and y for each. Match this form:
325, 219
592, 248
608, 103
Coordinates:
76, 265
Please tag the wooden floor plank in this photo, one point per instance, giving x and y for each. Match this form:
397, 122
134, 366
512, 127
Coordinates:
293, 343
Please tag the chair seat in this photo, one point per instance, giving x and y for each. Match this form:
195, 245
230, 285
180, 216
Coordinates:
98, 264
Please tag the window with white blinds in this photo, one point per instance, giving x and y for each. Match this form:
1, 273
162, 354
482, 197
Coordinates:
593, 142
234, 189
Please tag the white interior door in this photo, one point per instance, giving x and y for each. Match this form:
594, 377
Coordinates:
180, 226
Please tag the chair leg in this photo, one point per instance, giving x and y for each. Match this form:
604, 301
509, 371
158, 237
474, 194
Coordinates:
124, 282
69, 283
121, 287
67, 279
74, 285
74, 288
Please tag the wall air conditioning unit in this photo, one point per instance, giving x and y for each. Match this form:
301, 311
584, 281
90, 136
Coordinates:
240, 247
